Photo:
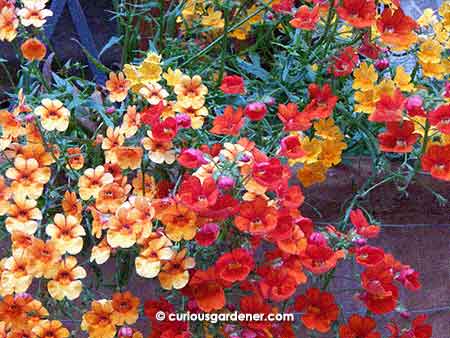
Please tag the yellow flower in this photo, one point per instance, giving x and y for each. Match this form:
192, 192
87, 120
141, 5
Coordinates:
403, 80
117, 86
428, 18
387, 86
101, 321
326, 129
53, 114
123, 228
312, 173
93, 181
444, 12
312, 148
430, 51
331, 152
65, 281
156, 249
435, 70
213, 19
197, 115
191, 92
23, 215
100, 253
173, 77
14, 275
66, 233
8, 24
365, 77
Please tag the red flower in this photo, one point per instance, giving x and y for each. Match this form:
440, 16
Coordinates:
396, 28
440, 118
292, 119
358, 13
150, 115
437, 161
196, 195
344, 62
233, 84
235, 265
212, 151
363, 228
276, 283
291, 147
229, 123
399, 137
255, 304
164, 131
191, 158
207, 290
370, 49
320, 310
322, 101
369, 256
270, 174
256, 111
320, 259
225, 206
306, 18
389, 108
290, 197
381, 295
280, 6
207, 234
359, 327
381, 304
409, 278
419, 328
256, 217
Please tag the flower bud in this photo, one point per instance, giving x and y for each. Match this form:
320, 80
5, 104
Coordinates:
183, 120
360, 241
110, 110
126, 332
381, 64
30, 118
225, 182
256, 111
317, 238
414, 106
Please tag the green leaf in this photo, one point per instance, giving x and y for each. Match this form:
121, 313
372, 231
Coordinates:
253, 69
113, 41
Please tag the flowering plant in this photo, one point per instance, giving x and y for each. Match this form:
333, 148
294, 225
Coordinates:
186, 169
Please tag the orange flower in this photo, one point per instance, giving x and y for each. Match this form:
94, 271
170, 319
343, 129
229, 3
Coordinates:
256, 217
191, 92
65, 280
127, 157
20, 241
75, 158
396, 28
29, 178
117, 86
229, 123
53, 329
159, 151
71, 205
66, 233
45, 256
126, 307
8, 24
358, 326
156, 249
207, 290
34, 13
174, 274
5, 194
319, 308
23, 215
295, 244
92, 182
14, 276
101, 321
38, 152
180, 222
33, 49
53, 114
14, 310
131, 122
11, 125
144, 186
123, 228
111, 197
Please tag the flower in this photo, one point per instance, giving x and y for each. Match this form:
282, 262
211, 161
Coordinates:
101, 252
276, 283
358, 13
127, 157
306, 18
229, 123
207, 234
235, 265
233, 84
320, 259
396, 29
75, 159
5, 194
45, 256
93, 180
358, 326
191, 92
159, 151
292, 119
14, 274
8, 24
154, 93
389, 108
65, 280
363, 228
51, 328
34, 13
14, 310
322, 101
344, 62
256, 111
365, 77
436, 160
117, 86
403, 80
180, 222
319, 308
101, 320
174, 274
53, 114
440, 117
256, 217
28, 178
157, 248
207, 290
33, 49
23, 215
123, 228
66, 233
191, 158
399, 137
126, 307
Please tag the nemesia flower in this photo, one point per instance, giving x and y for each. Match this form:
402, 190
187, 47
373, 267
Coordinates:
344, 63
233, 84
33, 50
126, 307
180, 222
34, 13
101, 252
117, 86
207, 234
123, 228
154, 252
101, 320
389, 108
365, 77
8, 24
159, 151
191, 92
291, 147
256, 217
440, 117
127, 157
65, 280
320, 309
191, 158
154, 93
369, 256
363, 228
23, 215
92, 182
14, 274
229, 123
414, 106
320, 259
75, 158
5, 194
66, 232
322, 101
53, 114
207, 290
276, 283
399, 137
256, 111
358, 13
14, 310
281, 6
235, 265
51, 328
396, 28
436, 160
292, 119
174, 274
403, 80
359, 326
306, 18
45, 256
